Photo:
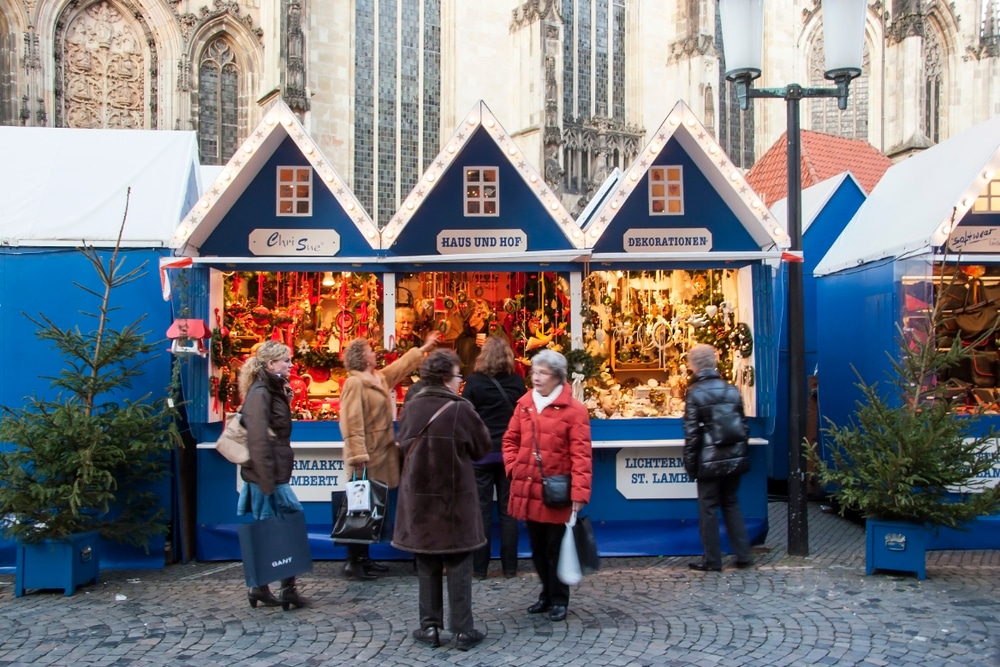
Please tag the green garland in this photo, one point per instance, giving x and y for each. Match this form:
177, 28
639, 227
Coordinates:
589, 364
318, 358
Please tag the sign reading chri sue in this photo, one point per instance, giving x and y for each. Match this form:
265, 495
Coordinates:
480, 241
690, 239
295, 242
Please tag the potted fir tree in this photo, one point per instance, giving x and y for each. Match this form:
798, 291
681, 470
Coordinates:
78, 464
908, 461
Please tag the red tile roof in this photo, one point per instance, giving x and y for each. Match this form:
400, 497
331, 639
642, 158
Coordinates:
823, 156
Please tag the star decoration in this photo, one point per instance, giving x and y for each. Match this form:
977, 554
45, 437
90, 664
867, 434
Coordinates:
722, 162
420, 193
439, 164
461, 136
743, 190
644, 164
701, 135
215, 191
259, 134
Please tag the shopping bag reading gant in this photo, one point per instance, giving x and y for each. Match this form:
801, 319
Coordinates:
275, 548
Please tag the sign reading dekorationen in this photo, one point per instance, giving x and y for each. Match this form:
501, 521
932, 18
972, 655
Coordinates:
690, 239
295, 242
461, 241
653, 473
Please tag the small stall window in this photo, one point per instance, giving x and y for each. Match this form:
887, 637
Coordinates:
637, 329
294, 191
482, 196
989, 200
666, 195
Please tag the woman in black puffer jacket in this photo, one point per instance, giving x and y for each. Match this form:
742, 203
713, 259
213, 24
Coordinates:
715, 455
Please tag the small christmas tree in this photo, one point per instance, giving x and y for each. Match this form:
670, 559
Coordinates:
906, 455
84, 461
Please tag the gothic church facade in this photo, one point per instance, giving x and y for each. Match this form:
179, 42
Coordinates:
577, 83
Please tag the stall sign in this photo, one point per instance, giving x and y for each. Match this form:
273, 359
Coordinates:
975, 239
653, 473
295, 242
987, 479
463, 241
690, 239
314, 475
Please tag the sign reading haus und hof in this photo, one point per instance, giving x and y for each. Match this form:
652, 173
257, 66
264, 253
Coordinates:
294, 242
653, 473
480, 241
690, 239
315, 474
975, 239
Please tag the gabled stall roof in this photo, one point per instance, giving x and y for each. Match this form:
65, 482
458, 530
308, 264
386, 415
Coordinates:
722, 176
278, 125
435, 202
62, 186
814, 200
913, 207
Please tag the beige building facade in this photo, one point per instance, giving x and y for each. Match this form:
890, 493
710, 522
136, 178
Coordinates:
579, 84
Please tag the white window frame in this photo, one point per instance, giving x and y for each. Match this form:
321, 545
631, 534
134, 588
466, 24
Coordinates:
480, 198
666, 182
989, 200
292, 196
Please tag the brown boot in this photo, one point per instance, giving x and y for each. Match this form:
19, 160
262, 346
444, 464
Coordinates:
289, 596
263, 595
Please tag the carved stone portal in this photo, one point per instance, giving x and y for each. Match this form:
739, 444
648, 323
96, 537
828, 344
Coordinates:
104, 74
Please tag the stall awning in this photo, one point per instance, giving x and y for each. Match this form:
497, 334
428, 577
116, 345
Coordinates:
67, 186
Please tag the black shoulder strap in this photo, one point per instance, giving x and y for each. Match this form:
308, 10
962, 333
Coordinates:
502, 392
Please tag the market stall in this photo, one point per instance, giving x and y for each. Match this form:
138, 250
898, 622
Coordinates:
928, 232
682, 253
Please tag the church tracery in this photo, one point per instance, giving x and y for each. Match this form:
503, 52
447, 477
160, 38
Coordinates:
934, 71
218, 102
824, 114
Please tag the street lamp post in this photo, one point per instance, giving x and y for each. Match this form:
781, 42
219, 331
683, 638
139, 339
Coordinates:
742, 39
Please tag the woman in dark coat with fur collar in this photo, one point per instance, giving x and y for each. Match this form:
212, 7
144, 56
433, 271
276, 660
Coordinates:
437, 511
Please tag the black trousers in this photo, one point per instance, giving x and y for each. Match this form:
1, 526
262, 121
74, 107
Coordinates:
546, 538
715, 495
489, 477
430, 573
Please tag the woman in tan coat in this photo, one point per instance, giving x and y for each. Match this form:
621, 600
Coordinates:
367, 410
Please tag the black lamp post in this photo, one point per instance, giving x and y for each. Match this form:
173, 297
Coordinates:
742, 39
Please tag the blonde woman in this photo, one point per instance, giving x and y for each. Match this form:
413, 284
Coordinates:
267, 417
367, 410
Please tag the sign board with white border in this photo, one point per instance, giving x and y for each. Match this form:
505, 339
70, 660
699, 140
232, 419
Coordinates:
481, 241
653, 474
988, 479
316, 473
690, 239
294, 242
979, 238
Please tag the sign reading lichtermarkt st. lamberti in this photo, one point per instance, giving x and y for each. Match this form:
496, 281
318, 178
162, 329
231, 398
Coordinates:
481, 241
690, 239
294, 242
315, 474
653, 473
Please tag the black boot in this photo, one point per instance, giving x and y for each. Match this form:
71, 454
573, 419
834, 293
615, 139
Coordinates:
289, 596
370, 565
354, 568
263, 595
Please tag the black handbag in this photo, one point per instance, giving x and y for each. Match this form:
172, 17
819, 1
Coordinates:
555, 488
586, 545
275, 548
360, 527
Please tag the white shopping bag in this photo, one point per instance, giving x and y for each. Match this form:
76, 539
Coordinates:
568, 570
359, 496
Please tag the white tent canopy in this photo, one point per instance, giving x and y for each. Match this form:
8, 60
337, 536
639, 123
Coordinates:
908, 209
60, 187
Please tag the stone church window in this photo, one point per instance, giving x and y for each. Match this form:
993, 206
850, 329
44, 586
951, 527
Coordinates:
218, 103
596, 136
8, 66
104, 71
397, 99
989, 27
824, 114
933, 71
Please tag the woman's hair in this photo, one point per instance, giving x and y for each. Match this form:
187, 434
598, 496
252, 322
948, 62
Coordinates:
702, 357
354, 355
439, 367
270, 350
552, 360
495, 357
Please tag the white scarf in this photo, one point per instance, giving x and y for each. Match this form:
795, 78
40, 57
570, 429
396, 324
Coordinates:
542, 402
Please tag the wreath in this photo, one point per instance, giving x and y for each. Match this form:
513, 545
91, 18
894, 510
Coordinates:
588, 364
742, 339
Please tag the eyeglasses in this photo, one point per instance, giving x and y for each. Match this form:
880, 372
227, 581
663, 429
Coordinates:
540, 373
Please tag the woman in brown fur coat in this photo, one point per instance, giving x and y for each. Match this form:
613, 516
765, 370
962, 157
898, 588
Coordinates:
367, 410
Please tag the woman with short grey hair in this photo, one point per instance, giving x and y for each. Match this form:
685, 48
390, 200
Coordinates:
553, 361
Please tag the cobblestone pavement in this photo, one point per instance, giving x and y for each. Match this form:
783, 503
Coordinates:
820, 610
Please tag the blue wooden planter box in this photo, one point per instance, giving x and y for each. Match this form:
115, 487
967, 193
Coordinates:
896, 545
57, 563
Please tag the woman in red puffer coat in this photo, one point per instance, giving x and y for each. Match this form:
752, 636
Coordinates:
560, 425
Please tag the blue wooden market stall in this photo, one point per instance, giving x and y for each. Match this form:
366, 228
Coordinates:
931, 215
62, 188
827, 207
682, 251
